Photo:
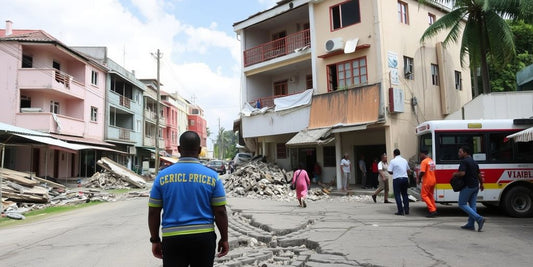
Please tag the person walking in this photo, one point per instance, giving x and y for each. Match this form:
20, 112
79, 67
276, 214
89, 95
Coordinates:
301, 179
399, 168
383, 179
427, 176
192, 198
346, 166
469, 172
362, 169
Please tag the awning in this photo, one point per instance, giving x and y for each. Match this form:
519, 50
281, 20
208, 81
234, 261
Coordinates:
82, 140
52, 142
61, 145
320, 136
522, 136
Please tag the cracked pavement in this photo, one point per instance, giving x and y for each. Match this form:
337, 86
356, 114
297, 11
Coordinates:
343, 232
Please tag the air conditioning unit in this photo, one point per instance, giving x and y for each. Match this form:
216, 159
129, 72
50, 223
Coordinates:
396, 100
334, 44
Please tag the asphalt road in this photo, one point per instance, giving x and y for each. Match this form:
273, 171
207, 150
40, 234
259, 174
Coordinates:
109, 234
366, 233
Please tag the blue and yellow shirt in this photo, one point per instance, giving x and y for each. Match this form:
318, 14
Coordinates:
187, 191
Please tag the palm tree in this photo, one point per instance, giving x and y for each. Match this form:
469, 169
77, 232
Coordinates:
485, 31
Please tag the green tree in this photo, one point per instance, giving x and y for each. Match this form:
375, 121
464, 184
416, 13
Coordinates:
226, 144
503, 76
485, 32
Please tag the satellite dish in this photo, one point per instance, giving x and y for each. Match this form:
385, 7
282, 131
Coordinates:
350, 46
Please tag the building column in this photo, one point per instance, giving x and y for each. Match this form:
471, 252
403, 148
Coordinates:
338, 157
264, 148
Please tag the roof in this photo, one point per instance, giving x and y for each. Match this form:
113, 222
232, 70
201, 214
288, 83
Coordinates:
311, 137
28, 36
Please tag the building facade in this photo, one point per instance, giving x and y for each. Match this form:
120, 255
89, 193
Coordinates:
198, 124
123, 108
170, 134
51, 88
371, 78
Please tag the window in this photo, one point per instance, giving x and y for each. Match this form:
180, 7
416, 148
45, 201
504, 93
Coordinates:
94, 77
27, 61
408, 68
54, 107
309, 81
329, 156
403, 12
458, 81
434, 74
347, 74
25, 101
191, 122
431, 18
148, 130
448, 145
281, 151
94, 114
345, 14
281, 87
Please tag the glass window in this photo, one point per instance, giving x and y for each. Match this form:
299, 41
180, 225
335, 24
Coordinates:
448, 145
347, 74
94, 77
431, 18
329, 156
345, 14
408, 68
94, 114
458, 81
403, 12
434, 74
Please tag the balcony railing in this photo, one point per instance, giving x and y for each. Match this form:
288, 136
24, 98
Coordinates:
124, 134
51, 80
124, 101
279, 47
268, 101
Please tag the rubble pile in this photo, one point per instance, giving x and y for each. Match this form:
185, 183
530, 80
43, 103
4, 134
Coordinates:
23, 192
257, 179
106, 180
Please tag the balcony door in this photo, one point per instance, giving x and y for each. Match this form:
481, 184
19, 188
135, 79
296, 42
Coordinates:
281, 88
278, 43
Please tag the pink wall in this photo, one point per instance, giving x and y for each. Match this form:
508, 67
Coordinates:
10, 56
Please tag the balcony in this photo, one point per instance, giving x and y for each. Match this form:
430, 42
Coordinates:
125, 102
277, 48
50, 81
268, 101
51, 123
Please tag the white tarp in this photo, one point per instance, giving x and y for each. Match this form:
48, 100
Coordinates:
292, 101
522, 136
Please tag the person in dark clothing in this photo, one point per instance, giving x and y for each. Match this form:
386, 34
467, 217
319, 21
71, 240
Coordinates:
469, 172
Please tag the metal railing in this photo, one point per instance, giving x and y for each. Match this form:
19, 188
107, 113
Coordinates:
279, 47
268, 101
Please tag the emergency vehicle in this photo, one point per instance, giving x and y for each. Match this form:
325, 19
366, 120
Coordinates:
506, 165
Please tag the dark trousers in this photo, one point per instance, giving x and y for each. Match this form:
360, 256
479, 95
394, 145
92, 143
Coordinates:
400, 185
193, 250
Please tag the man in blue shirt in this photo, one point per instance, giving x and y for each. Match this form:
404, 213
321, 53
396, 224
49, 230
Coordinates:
193, 199
399, 168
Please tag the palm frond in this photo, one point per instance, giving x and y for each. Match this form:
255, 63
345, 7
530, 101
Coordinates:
447, 21
500, 37
470, 44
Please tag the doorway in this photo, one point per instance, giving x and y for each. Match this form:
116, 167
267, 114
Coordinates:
369, 152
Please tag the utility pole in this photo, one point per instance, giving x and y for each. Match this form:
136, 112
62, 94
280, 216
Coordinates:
158, 110
219, 141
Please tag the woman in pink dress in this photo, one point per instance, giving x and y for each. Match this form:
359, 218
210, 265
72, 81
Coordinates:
301, 179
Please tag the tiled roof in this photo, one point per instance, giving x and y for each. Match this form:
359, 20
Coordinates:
28, 35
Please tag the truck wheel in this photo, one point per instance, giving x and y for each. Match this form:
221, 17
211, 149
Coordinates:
518, 202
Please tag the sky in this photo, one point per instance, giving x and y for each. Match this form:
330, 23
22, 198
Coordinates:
200, 51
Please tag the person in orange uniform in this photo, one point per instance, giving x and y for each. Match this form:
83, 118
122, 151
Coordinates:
427, 176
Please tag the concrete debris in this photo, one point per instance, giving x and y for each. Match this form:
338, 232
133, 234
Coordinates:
106, 180
122, 172
257, 179
23, 192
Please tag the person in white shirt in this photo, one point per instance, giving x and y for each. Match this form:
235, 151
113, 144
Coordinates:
346, 166
399, 168
383, 179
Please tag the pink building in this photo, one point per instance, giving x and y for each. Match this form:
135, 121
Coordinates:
170, 134
50, 88
197, 123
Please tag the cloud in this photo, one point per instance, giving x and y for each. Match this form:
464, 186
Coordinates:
132, 32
